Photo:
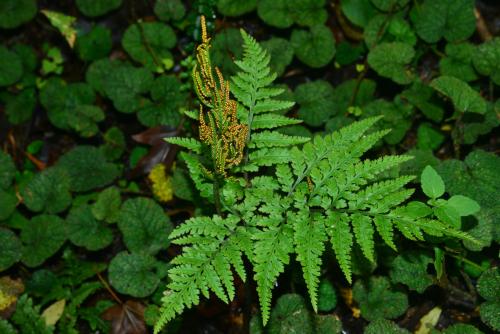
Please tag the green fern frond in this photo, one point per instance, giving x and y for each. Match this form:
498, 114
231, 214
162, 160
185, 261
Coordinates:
275, 139
204, 266
273, 246
363, 230
339, 231
309, 239
198, 175
189, 143
270, 121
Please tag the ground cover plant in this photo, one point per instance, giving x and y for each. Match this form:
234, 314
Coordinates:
249, 166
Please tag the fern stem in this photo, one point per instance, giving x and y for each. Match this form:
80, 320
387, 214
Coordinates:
217, 201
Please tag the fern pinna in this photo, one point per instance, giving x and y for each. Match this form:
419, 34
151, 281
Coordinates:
318, 195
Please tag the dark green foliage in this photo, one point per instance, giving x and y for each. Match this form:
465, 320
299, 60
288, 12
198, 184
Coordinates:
410, 268
42, 238
95, 44
134, 274
93, 8
488, 287
327, 297
27, 317
144, 225
88, 169
167, 10
85, 230
377, 299
11, 249
11, 67
384, 326
314, 47
16, 12
316, 102
149, 44
48, 191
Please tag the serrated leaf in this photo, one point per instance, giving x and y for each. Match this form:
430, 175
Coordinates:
290, 315
316, 102
88, 168
391, 60
269, 121
452, 19
133, 274
314, 47
384, 326
42, 238
189, 143
144, 225
377, 300
48, 191
85, 231
410, 268
275, 139
107, 205
8, 203
149, 43
464, 98
487, 59
7, 170
11, 249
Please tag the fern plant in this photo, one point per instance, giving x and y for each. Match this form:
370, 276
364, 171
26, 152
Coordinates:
309, 197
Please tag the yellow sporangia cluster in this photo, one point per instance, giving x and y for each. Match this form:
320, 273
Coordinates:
161, 183
219, 126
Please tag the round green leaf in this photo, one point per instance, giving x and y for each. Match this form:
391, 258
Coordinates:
462, 329
167, 99
11, 67
93, 8
122, 83
149, 43
42, 238
95, 44
464, 205
48, 191
327, 297
464, 98
107, 206
384, 326
290, 315
114, 144
281, 53
133, 274
236, 7
358, 12
377, 300
13, 13
487, 59
88, 168
386, 5
428, 137
69, 106
315, 47
452, 19
490, 314
85, 231
410, 268
11, 249
391, 60
458, 62
432, 183
144, 225
327, 324
276, 13
316, 102
8, 203
488, 285
167, 10
19, 108
7, 170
